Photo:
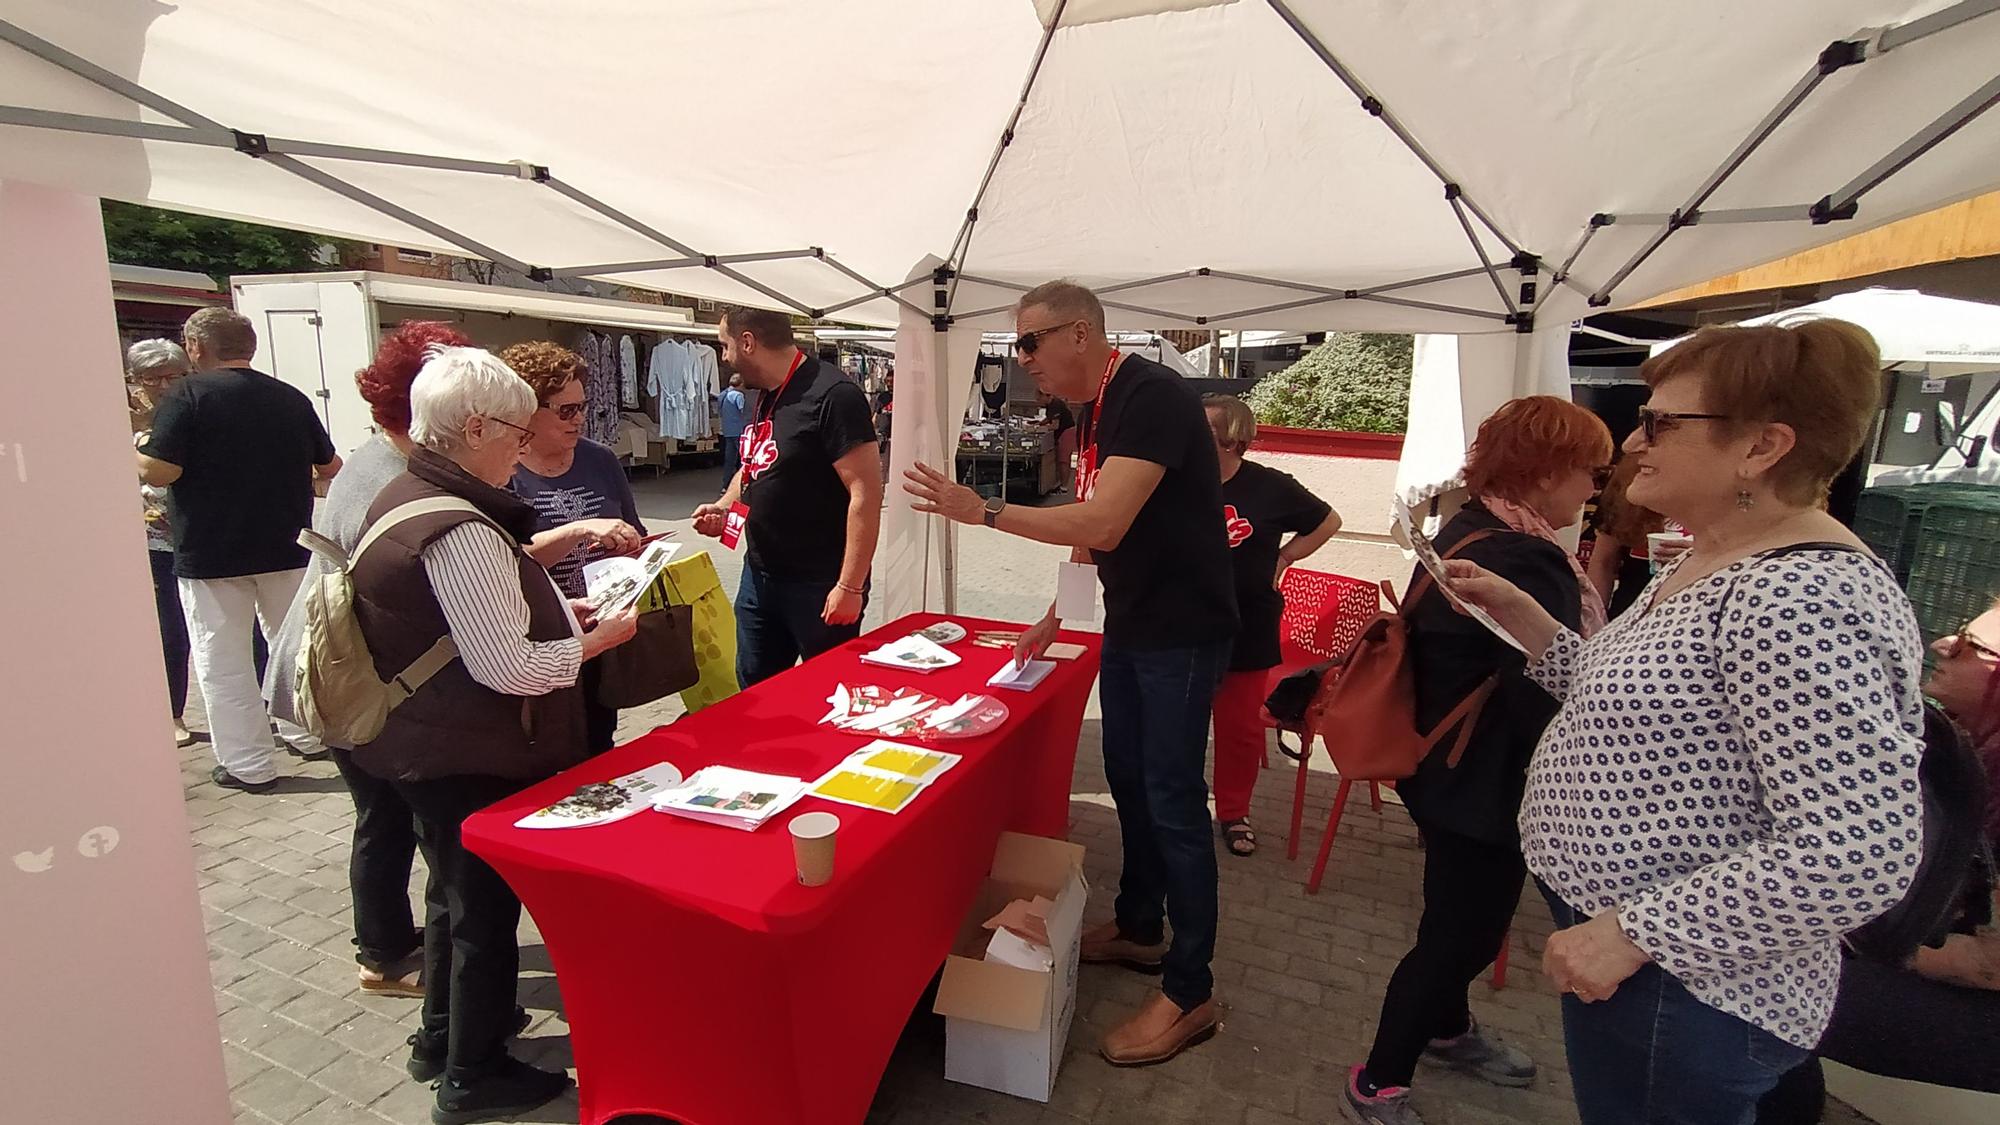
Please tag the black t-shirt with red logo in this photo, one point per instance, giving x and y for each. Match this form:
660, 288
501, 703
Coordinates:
1167, 584
1260, 507
798, 507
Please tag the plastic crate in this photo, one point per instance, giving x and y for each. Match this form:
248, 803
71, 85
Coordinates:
1890, 519
1955, 571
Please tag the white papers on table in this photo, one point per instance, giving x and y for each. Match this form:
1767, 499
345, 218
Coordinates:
914, 653
614, 584
737, 798
1427, 554
884, 776
1018, 676
605, 801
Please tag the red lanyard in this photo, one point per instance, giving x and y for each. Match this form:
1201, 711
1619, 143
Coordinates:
1086, 457
770, 402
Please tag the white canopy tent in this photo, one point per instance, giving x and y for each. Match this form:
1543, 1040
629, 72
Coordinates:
1483, 170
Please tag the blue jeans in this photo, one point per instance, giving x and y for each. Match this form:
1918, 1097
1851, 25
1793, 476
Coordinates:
778, 624
1156, 710
1654, 1055
732, 457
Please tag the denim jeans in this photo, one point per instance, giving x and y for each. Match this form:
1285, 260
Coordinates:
1156, 710
1654, 1055
778, 624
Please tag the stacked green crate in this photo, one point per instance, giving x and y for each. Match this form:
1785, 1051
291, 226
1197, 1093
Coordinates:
1888, 519
1955, 571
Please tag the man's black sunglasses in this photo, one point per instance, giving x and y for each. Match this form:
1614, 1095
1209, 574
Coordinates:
1027, 342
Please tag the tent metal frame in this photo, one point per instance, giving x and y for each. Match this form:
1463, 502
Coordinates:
291, 154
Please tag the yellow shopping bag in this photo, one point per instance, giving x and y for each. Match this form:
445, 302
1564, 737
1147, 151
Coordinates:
692, 581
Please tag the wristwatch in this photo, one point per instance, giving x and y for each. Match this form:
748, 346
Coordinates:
994, 504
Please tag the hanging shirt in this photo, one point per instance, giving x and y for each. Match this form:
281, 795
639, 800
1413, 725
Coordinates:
666, 379
798, 505
708, 384
1260, 507
1168, 584
628, 371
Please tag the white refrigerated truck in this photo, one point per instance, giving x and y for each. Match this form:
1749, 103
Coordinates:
315, 330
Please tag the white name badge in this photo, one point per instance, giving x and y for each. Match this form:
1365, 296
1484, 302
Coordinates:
1076, 592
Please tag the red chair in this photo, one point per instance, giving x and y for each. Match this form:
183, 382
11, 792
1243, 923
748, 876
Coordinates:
1323, 615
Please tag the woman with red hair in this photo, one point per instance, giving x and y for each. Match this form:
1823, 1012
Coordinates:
388, 943
1532, 466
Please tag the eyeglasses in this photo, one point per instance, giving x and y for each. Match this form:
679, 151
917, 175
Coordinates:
568, 411
1027, 342
1656, 422
1963, 640
527, 435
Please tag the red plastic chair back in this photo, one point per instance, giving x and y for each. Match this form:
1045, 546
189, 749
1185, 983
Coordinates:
1323, 615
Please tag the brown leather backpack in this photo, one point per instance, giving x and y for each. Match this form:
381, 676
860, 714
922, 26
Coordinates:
1366, 705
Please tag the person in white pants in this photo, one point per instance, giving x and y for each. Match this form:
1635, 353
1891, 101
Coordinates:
239, 452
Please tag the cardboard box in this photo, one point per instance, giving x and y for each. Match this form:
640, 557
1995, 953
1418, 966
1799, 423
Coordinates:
1006, 1027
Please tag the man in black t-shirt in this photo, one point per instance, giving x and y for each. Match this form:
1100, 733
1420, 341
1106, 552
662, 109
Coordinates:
1150, 516
240, 451
808, 496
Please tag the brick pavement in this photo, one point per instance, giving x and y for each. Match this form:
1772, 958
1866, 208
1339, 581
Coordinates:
1302, 976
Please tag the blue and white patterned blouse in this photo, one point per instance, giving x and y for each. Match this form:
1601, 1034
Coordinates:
1734, 771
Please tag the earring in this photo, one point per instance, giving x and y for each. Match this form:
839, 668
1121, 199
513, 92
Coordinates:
1745, 501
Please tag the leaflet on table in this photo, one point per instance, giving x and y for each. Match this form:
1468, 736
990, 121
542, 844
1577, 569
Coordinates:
737, 798
1427, 554
914, 653
885, 776
615, 584
605, 801
909, 713
1016, 675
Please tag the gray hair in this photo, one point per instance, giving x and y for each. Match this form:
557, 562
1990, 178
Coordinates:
1067, 300
224, 333
457, 385
149, 357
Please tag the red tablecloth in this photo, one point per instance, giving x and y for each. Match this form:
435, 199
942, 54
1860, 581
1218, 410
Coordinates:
701, 982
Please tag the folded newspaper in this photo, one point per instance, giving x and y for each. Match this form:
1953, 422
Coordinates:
615, 584
1427, 554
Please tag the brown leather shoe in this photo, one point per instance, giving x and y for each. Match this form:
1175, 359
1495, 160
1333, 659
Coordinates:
1158, 1032
400, 978
1106, 946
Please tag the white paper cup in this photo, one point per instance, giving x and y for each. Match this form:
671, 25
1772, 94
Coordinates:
812, 846
1662, 547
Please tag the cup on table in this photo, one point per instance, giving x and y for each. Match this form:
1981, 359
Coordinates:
1663, 547
812, 846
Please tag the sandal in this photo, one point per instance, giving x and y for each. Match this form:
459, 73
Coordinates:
1239, 837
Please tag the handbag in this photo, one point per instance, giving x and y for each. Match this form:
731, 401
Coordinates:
656, 662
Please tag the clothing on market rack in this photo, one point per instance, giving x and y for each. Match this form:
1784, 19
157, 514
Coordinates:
628, 372
600, 387
992, 376
684, 377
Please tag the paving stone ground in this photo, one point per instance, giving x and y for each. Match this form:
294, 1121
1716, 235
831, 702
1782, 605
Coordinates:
1302, 976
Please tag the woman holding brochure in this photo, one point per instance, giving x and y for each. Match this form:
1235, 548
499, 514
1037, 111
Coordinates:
501, 712
1532, 466
584, 509
1730, 786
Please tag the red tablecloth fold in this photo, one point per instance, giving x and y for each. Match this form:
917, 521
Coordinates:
701, 982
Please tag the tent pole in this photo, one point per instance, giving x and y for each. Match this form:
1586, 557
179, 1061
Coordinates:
1145, 281
1905, 34
1841, 204
683, 263
1214, 353
375, 202
1452, 196
947, 438
1483, 314
879, 290
1375, 108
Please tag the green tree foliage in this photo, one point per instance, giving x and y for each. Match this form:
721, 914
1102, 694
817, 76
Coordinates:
1356, 381
149, 236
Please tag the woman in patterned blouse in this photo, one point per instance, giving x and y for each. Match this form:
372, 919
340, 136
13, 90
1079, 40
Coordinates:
1730, 784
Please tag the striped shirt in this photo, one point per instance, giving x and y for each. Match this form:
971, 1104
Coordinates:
477, 580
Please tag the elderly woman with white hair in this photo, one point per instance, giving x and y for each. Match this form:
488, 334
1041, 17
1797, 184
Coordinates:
151, 366
505, 713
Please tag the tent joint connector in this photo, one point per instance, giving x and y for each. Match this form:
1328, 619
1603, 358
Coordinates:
1351, 294
252, 144
710, 261
1842, 53
1451, 190
1202, 272
534, 173
1603, 219
1680, 219
816, 314
1373, 105
1524, 322
941, 322
972, 214
819, 252
541, 274
943, 275
1526, 262
1201, 320
1825, 212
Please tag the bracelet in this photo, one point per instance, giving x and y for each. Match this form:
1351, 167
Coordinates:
849, 589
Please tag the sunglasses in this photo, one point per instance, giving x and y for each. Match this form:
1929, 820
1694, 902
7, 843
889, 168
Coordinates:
1959, 642
1601, 477
1027, 342
568, 411
527, 435
1653, 423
